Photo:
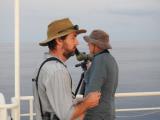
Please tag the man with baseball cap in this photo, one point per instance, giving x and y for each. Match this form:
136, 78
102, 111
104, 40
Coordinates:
101, 76
53, 93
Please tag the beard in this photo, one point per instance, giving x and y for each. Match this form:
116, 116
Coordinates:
68, 53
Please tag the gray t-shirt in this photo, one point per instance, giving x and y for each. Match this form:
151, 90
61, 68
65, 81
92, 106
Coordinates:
102, 76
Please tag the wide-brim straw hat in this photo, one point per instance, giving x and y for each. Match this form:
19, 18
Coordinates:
99, 38
60, 28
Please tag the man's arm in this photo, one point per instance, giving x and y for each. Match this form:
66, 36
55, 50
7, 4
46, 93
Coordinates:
91, 100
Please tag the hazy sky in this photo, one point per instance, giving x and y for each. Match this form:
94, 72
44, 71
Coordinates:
123, 19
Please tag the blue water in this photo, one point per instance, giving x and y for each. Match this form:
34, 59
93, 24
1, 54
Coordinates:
139, 65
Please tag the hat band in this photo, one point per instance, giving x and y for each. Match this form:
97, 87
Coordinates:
75, 27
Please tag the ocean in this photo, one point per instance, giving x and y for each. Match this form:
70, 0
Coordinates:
139, 71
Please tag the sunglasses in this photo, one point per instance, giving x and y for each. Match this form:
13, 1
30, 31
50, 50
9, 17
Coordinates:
75, 27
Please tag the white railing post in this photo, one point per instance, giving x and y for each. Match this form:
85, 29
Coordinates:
14, 112
3, 112
17, 58
31, 108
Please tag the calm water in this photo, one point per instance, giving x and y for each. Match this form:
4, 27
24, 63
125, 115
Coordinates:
139, 65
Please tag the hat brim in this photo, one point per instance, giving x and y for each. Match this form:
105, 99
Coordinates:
97, 42
45, 42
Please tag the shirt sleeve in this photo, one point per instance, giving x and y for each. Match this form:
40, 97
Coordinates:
58, 90
96, 75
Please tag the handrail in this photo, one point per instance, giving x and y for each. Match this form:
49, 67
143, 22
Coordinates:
137, 94
26, 97
8, 106
137, 109
117, 95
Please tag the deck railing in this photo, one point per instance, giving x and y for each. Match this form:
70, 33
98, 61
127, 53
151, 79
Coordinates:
137, 94
31, 114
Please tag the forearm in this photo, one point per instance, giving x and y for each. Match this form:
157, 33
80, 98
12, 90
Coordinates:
90, 101
79, 110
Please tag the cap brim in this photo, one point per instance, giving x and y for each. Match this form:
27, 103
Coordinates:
88, 39
45, 42
81, 31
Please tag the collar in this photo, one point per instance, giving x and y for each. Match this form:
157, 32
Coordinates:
47, 55
104, 51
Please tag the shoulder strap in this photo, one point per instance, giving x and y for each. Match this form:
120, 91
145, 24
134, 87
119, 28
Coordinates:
48, 59
36, 80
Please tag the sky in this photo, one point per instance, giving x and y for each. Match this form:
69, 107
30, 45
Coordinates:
124, 20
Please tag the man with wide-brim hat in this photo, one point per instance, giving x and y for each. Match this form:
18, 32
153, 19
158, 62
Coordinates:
54, 81
101, 76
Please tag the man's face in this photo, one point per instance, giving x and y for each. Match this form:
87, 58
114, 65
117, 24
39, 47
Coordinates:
91, 47
70, 44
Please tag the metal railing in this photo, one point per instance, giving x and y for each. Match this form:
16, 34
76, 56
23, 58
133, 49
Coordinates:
31, 113
137, 94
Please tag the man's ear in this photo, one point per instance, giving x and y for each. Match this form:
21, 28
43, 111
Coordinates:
59, 41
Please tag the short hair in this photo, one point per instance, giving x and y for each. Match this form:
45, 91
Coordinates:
52, 44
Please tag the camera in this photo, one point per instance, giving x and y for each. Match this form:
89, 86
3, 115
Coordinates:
82, 56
